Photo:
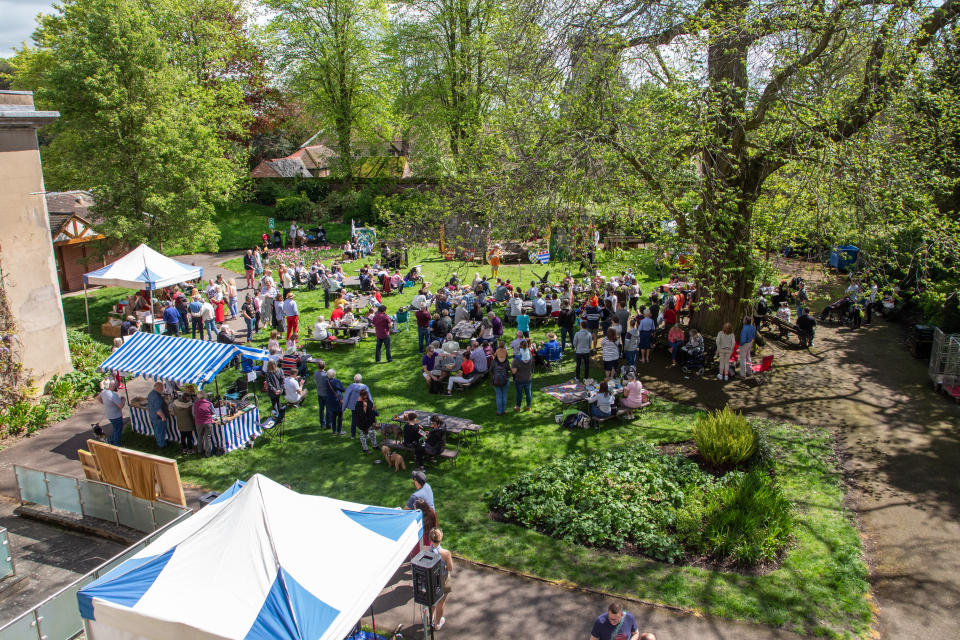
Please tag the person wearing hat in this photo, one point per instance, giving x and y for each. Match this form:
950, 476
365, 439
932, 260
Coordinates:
783, 313
423, 489
494, 259
171, 318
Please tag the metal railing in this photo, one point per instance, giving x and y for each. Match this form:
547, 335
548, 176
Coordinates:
58, 617
6, 556
95, 499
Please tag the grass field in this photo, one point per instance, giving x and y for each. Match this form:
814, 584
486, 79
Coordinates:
820, 588
242, 224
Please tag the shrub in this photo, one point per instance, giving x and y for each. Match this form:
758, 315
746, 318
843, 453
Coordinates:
268, 190
314, 189
296, 207
605, 499
725, 438
746, 517
16, 417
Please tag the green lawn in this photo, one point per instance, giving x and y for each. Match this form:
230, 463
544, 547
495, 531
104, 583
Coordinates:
242, 224
819, 589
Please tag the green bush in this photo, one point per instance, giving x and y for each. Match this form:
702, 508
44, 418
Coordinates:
605, 499
725, 438
268, 190
296, 207
746, 517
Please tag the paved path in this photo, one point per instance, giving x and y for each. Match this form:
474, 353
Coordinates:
901, 455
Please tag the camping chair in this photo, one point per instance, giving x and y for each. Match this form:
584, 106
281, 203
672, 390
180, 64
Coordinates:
402, 319
552, 357
759, 370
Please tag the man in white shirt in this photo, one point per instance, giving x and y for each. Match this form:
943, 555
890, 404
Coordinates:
293, 389
853, 290
112, 408
540, 306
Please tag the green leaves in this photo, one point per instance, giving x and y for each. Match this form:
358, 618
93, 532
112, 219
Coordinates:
725, 438
145, 115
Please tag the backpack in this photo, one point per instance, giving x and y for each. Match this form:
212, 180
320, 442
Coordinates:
761, 308
575, 420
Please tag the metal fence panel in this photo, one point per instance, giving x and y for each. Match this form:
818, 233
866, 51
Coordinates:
165, 512
32, 486
63, 493
60, 617
98, 500
134, 513
6, 555
21, 629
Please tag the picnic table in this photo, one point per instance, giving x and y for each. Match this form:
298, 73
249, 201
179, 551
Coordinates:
452, 424
574, 391
466, 329
357, 328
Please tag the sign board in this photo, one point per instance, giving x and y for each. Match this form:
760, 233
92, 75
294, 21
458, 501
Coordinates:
270, 223
539, 256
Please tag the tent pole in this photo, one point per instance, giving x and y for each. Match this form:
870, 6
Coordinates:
216, 384
86, 308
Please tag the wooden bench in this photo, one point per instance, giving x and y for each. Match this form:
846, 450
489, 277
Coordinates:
784, 329
473, 380
446, 454
333, 341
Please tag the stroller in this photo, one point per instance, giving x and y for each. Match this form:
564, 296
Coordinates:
694, 362
838, 311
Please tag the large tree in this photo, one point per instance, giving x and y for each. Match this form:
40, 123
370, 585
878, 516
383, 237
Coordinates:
747, 88
135, 126
329, 50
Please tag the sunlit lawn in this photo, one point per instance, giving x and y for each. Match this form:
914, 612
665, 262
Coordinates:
820, 588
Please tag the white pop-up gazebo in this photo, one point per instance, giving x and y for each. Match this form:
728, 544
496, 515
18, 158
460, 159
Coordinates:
262, 562
142, 268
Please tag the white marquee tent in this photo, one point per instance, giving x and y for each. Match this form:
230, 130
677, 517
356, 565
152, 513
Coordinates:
262, 562
142, 268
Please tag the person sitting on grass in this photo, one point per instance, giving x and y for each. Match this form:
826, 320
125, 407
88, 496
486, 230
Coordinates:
602, 402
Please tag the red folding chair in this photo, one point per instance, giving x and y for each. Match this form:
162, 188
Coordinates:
763, 368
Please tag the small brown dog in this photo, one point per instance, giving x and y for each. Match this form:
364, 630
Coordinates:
394, 460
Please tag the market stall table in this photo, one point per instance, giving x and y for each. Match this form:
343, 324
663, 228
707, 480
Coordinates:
228, 433
574, 391
185, 361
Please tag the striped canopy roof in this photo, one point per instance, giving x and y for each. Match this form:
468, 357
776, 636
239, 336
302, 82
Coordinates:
180, 360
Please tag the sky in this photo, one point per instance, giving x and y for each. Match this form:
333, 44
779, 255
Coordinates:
18, 21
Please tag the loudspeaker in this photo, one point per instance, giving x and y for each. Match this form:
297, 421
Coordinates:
427, 578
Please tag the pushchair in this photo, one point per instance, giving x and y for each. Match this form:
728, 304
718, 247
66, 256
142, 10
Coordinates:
694, 362
838, 311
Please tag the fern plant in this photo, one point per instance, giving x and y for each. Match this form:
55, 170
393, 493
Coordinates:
725, 438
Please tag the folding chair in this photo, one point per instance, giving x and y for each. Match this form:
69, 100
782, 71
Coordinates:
761, 371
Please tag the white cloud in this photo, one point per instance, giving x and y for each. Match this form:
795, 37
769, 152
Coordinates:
19, 21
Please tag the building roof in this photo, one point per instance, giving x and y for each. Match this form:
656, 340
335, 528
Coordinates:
78, 202
17, 111
289, 167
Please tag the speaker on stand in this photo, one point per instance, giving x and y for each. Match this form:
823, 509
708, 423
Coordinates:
427, 585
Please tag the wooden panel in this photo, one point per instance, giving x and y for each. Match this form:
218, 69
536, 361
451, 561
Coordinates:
108, 463
89, 464
168, 481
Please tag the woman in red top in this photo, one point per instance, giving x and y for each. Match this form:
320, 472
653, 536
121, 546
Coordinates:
669, 316
218, 313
